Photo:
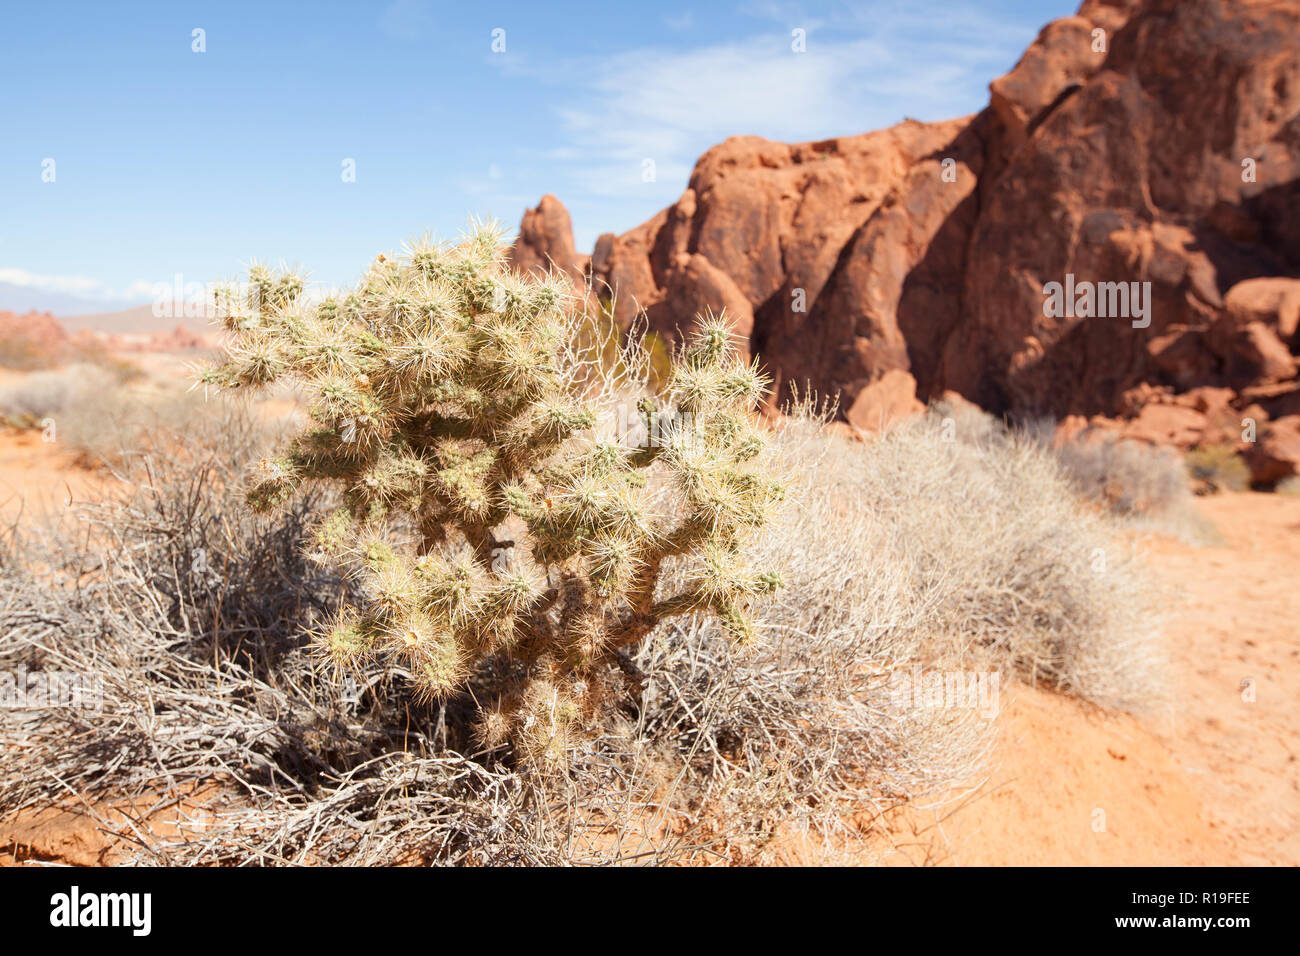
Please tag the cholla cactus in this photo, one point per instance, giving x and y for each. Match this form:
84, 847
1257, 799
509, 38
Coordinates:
491, 505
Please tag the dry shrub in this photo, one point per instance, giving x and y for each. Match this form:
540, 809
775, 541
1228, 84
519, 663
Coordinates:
120, 426
196, 618
50, 393
1007, 563
90, 410
795, 736
1216, 468
1128, 477
1145, 486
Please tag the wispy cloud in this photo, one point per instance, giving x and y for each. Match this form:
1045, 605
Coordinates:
81, 287
861, 71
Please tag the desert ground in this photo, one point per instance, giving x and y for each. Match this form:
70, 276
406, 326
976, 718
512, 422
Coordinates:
1207, 777
1211, 781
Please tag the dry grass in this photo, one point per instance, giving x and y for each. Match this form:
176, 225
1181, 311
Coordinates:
90, 410
197, 618
1008, 564
50, 393
1146, 487
1217, 468
1131, 478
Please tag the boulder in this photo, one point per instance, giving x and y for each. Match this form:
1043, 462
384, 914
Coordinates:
1252, 353
1160, 424
1182, 356
886, 401
1275, 455
545, 242
1273, 301
1218, 405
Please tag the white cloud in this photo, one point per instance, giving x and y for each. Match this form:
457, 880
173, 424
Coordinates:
626, 179
861, 71
81, 287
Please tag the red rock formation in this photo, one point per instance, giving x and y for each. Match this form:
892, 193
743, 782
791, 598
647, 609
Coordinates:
1126, 179
1276, 455
38, 327
38, 339
546, 241
1154, 144
31, 338
179, 339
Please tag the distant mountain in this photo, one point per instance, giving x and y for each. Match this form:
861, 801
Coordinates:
136, 320
75, 313
21, 298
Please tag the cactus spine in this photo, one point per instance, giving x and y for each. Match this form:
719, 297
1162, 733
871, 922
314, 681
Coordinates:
489, 508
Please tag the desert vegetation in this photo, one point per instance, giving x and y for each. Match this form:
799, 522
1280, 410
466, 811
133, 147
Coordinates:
104, 415
1009, 559
1218, 468
489, 509
1130, 478
1143, 486
199, 616
715, 733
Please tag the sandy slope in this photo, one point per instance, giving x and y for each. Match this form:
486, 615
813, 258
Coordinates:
39, 478
1213, 779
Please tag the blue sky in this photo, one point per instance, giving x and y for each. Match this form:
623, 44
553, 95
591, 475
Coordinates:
170, 161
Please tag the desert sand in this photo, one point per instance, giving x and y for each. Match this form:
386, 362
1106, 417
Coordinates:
1207, 779
39, 477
